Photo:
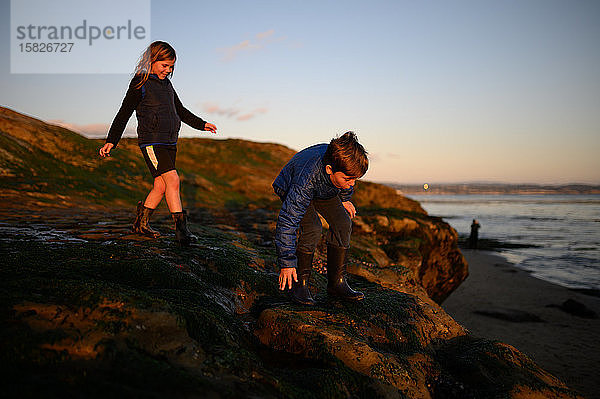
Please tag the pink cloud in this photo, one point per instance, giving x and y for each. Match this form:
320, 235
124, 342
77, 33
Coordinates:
264, 35
231, 112
229, 53
212, 108
260, 41
92, 130
252, 114
245, 117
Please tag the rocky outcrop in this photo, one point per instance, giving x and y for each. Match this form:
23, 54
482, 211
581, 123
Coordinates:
88, 309
403, 250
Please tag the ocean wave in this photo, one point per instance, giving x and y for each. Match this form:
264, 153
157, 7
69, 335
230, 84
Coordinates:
538, 218
563, 228
448, 217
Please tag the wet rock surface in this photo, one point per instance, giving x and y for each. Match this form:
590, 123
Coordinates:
90, 309
575, 308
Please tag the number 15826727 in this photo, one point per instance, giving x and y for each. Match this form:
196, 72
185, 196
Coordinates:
46, 47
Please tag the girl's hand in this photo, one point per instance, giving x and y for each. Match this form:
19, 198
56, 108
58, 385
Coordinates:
350, 208
105, 150
210, 128
285, 277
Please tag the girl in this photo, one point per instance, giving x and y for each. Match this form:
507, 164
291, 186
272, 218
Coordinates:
159, 113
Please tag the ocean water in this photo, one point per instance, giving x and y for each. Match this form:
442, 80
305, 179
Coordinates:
564, 228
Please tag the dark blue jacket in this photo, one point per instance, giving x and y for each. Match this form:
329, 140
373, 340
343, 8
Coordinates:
300, 181
157, 117
158, 110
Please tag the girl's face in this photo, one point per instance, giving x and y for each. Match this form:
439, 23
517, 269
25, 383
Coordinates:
162, 68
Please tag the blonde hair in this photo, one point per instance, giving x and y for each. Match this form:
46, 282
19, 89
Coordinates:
157, 51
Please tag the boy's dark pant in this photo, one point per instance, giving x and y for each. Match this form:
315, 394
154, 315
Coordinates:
340, 225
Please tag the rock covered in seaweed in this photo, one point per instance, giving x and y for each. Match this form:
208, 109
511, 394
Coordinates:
87, 309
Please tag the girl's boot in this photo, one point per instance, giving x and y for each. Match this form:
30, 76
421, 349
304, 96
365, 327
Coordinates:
140, 225
182, 234
336, 275
300, 290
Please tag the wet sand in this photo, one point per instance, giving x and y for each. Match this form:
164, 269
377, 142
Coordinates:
500, 301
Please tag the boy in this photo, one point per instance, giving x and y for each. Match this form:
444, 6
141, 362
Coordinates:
318, 179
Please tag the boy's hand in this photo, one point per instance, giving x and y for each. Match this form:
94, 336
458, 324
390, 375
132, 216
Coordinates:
209, 127
285, 277
350, 208
105, 150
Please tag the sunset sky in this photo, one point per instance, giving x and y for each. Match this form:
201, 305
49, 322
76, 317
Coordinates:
437, 91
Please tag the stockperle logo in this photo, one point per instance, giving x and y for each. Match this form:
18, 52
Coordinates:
67, 36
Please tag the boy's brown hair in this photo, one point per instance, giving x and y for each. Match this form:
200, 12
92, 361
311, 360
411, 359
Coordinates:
345, 154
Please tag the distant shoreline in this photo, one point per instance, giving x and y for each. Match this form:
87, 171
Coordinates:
494, 189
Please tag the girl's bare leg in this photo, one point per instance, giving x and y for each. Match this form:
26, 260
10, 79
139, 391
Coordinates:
156, 194
171, 180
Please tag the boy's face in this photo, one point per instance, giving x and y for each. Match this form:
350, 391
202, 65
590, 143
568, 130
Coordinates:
162, 68
340, 179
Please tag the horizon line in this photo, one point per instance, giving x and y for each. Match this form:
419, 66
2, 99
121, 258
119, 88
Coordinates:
489, 183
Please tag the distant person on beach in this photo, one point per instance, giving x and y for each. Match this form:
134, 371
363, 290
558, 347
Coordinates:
159, 113
474, 237
318, 180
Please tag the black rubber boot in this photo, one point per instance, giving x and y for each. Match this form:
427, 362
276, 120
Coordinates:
336, 275
142, 218
300, 290
182, 234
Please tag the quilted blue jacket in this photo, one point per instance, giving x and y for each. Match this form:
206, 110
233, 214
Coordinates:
300, 181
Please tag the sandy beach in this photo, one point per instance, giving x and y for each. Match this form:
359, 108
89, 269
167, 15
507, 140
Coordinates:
500, 301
